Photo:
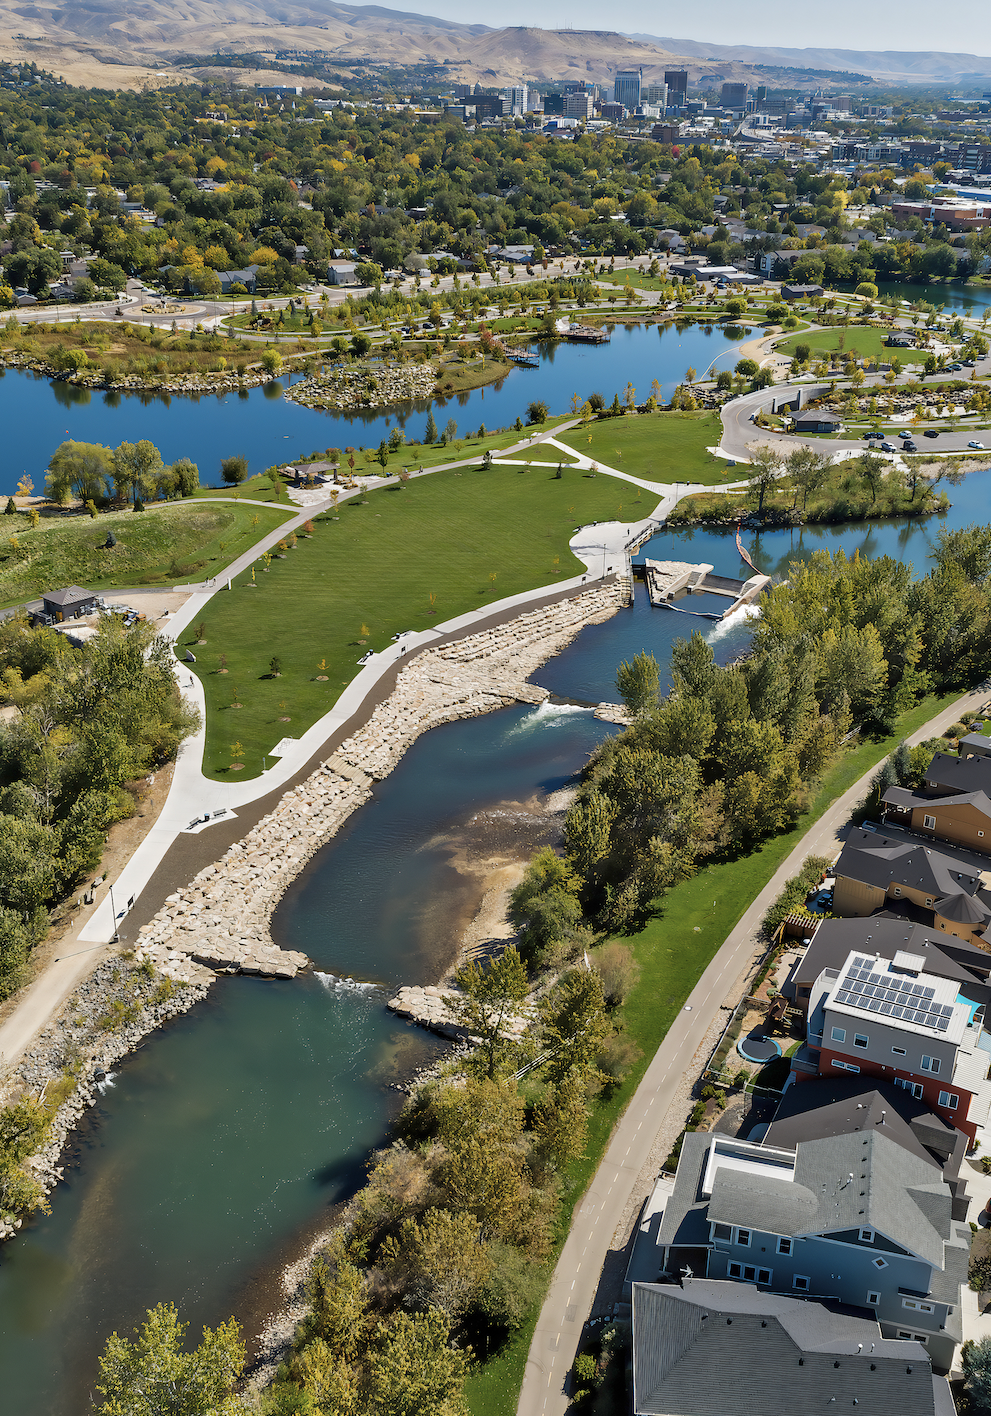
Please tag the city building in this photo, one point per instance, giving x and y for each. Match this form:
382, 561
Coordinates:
656, 94
578, 105
734, 95
628, 88
516, 99
677, 86
711, 1348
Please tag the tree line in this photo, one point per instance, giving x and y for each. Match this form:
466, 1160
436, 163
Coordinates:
730, 755
89, 721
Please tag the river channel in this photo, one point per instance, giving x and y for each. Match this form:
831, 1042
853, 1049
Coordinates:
230, 1136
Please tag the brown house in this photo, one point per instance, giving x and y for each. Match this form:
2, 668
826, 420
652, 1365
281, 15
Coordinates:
963, 818
874, 871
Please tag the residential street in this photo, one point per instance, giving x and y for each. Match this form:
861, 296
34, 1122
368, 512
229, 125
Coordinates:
593, 1230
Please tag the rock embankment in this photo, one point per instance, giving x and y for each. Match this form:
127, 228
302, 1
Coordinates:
365, 386
221, 918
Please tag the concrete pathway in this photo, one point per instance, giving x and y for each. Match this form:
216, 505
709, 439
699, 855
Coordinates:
593, 1228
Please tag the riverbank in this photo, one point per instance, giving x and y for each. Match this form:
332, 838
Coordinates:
221, 918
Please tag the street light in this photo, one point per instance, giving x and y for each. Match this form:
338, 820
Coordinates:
113, 907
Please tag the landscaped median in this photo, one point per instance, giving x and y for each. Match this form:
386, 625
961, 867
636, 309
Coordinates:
407, 557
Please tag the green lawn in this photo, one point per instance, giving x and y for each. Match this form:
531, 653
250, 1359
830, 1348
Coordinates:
408, 559
860, 341
673, 957
661, 447
160, 546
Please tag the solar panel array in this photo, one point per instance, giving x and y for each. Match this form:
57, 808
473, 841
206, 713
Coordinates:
892, 996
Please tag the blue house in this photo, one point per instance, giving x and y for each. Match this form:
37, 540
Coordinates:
854, 1219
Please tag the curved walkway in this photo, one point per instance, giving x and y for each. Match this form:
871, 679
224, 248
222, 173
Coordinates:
193, 795
594, 1224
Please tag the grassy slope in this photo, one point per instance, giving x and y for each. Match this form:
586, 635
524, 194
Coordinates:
379, 564
155, 547
857, 340
661, 447
673, 957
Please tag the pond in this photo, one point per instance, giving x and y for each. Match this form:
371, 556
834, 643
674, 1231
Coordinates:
38, 413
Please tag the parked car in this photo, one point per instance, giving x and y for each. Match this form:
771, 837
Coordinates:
954, 368
904, 433
931, 433
888, 447
975, 444
909, 447
970, 363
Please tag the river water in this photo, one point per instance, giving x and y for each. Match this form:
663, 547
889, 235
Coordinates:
229, 1136
38, 414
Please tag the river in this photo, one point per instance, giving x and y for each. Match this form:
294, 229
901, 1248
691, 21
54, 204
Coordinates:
38, 414
228, 1138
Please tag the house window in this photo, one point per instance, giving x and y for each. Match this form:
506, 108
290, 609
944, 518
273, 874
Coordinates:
914, 1337
929, 902
867, 1236
763, 1275
880, 1263
914, 1087
802, 1282
838, 1034
860, 1039
873, 1299
845, 1066
917, 1306
950, 1100
897, 892
930, 1064
722, 1231
928, 822
784, 1246
898, 1051
749, 1273
735, 1270
743, 1237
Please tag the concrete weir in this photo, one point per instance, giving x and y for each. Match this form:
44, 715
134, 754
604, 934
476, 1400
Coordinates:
670, 580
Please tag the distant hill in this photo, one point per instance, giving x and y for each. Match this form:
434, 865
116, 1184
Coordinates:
82, 38
891, 65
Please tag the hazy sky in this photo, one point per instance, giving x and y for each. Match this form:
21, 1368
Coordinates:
840, 24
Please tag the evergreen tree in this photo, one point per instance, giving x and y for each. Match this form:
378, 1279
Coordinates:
430, 434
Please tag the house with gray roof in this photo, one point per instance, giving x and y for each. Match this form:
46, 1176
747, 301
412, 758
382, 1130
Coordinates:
854, 1219
712, 1348
875, 869
954, 800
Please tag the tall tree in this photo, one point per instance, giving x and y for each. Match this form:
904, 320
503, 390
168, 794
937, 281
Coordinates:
638, 683
491, 995
414, 1370
765, 468
154, 1376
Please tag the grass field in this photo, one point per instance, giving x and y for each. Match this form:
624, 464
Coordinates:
160, 546
673, 957
661, 447
407, 559
123, 348
862, 342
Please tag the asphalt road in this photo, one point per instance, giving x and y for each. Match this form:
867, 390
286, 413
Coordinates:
593, 1229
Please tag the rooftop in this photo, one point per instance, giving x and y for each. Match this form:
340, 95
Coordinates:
768, 1354
900, 995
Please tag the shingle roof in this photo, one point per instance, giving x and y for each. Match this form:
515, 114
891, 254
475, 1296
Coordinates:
828, 1106
963, 909
724, 1349
872, 859
825, 1199
884, 935
959, 774
901, 796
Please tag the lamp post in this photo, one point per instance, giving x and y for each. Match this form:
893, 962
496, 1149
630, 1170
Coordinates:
113, 907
